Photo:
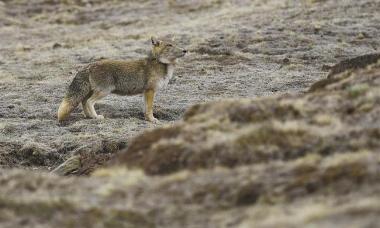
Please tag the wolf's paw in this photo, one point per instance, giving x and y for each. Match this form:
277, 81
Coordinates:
99, 117
153, 120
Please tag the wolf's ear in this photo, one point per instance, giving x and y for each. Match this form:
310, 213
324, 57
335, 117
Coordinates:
155, 41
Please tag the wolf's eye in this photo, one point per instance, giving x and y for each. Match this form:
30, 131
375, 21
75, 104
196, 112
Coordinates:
170, 45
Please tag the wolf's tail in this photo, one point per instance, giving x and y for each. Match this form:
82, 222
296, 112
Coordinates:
78, 90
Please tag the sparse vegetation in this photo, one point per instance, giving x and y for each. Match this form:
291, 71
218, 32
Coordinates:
272, 119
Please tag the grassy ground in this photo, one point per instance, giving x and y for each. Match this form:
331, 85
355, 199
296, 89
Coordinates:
238, 49
274, 156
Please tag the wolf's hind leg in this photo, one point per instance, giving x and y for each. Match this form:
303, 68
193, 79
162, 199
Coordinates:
96, 96
86, 110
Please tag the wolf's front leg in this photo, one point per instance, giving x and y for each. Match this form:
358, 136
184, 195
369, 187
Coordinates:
148, 98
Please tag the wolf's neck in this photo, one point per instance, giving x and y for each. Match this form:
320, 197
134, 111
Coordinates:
169, 70
151, 56
168, 67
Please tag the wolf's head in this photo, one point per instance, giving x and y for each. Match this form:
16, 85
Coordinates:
166, 52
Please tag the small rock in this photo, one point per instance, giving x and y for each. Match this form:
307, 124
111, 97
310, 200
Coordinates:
69, 166
326, 67
362, 35
286, 61
57, 45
